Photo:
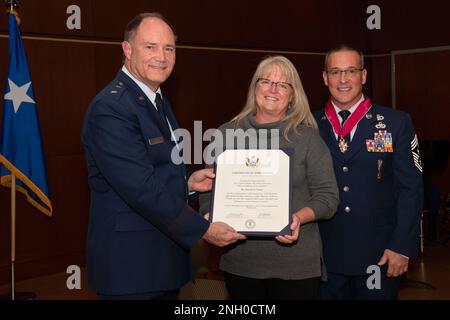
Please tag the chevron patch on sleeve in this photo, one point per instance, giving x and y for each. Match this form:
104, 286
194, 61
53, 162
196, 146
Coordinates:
416, 153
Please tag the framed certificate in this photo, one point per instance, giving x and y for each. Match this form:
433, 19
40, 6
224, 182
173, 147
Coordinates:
252, 191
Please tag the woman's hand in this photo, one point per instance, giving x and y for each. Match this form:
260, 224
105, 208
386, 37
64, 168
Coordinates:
302, 216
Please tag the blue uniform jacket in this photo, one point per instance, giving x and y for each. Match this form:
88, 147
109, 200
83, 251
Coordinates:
140, 226
380, 193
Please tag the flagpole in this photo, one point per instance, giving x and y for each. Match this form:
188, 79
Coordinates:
20, 145
13, 235
15, 295
13, 222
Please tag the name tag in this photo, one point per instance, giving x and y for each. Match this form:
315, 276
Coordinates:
156, 140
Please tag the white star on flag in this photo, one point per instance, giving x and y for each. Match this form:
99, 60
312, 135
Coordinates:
18, 94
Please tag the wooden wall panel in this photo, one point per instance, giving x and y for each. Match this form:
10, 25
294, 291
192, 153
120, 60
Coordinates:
408, 25
120, 14
306, 25
298, 25
108, 61
67, 177
380, 79
63, 77
293, 25
423, 90
49, 18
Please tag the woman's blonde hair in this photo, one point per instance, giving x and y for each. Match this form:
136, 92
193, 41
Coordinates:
298, 110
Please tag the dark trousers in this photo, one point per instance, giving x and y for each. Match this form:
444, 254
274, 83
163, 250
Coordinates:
243, 288
155, 295
342, 287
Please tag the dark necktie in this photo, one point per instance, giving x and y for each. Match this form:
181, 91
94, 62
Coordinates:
344, 115
160, 107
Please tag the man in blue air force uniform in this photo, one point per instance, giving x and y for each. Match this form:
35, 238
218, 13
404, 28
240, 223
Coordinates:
379, 173
140, 226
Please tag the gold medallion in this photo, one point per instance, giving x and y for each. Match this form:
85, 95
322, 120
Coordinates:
343, 146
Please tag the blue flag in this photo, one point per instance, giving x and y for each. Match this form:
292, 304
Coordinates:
21, 150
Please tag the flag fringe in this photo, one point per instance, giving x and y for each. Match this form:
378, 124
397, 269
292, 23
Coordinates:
6, 181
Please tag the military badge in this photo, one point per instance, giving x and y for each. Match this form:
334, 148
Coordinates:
382, 142
380, 125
